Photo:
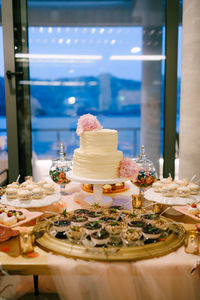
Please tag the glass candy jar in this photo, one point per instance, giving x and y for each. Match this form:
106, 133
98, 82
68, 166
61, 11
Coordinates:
147, 174
58, 169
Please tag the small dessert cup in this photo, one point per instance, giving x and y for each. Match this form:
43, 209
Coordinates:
129, 236
100, 238
75, 234
91, 227
151, 232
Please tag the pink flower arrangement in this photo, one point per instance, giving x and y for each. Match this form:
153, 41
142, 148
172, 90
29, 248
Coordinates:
87, 122
128, 169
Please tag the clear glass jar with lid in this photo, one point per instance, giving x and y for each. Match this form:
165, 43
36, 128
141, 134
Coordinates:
59, 167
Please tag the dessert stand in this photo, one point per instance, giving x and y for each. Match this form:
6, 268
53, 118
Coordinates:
33, 203
150, 195
97, 196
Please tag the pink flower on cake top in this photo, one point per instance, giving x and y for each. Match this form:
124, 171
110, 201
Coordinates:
87, 122
128, 169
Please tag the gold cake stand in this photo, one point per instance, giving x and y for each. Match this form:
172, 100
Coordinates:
173, 241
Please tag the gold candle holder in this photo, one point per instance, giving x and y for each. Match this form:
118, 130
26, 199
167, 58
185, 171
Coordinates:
25, 240
191, 242
157, 208
137, 200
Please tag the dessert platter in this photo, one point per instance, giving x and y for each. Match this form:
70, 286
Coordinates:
30, 194
107, 188
169, 192
12, 217
192, 210
109, 234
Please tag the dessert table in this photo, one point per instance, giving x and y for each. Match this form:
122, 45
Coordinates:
166, 277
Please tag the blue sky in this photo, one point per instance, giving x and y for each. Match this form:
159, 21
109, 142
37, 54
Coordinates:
86, 41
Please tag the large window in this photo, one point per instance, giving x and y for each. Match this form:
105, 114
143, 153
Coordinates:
3, 132
105, 59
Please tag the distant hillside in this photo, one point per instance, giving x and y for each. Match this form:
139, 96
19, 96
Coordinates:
106, 94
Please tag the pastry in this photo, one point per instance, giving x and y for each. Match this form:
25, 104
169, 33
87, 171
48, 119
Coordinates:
11, 193
194, 189
183, 191
48, 188
24, 194
37, 193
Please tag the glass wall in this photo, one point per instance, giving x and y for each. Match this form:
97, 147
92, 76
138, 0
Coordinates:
100, 58
3, 132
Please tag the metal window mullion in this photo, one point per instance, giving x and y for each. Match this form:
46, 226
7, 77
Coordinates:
10, 89
172, 19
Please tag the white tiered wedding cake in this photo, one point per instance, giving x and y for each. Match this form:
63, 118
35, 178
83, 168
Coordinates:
97, 157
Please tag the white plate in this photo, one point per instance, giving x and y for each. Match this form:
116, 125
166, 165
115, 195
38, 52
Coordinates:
48, 200
73, 177
150, 195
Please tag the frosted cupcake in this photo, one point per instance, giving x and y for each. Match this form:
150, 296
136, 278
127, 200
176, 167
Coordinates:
183, 191
31, 186
11, 193
181, 182
13, 185
24, 194
194, 189
157, 186
48, 188
167, 180
37, 193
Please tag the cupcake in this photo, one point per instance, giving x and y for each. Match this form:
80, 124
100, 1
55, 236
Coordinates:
31, 186
169, 190
24, 194
41, 183
194, 189
13, 185
48, 188
183, 191
11, 193
37, 193
157, 186
181, 182
166, 180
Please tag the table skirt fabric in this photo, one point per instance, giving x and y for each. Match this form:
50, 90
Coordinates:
165, 278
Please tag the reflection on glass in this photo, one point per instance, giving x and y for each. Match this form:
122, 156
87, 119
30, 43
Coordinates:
3, 131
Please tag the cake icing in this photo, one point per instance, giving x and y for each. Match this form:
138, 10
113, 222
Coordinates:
97, 157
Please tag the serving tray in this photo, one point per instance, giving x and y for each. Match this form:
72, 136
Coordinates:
113, 253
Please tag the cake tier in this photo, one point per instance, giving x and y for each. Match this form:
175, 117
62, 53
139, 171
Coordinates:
99, 141
97, 166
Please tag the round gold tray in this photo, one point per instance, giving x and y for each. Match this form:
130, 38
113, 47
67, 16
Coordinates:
173, 241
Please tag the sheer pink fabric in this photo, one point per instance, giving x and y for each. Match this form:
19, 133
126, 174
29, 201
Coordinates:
164, 278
